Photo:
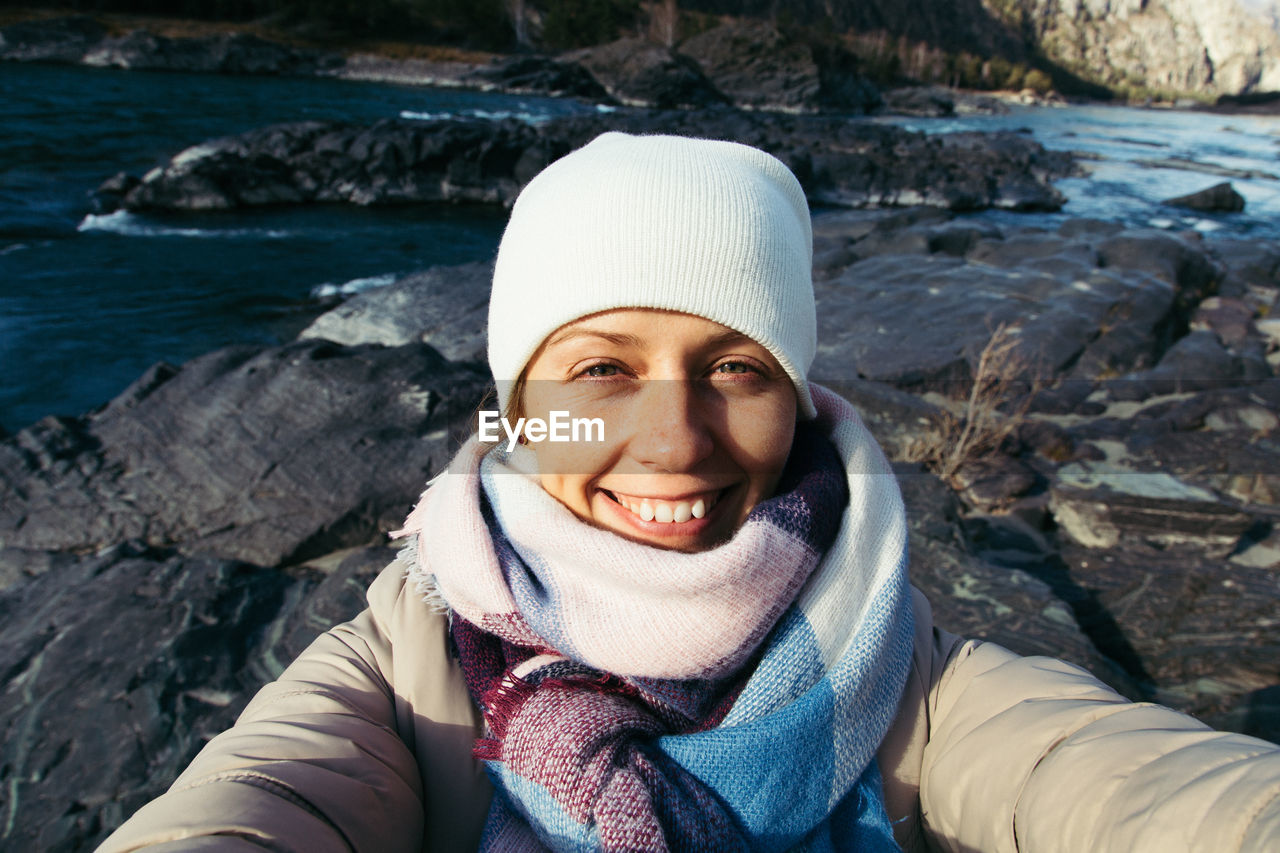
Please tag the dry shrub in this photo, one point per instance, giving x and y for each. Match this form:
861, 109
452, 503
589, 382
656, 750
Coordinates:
997, 403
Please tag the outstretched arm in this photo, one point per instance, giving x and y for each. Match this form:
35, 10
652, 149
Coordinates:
1034, 754
315, 763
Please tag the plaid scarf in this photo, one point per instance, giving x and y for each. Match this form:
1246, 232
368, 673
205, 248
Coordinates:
643, 699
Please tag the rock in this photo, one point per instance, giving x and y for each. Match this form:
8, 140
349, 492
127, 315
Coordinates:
244, 453
1196, 362
1098, 505
539, 75
1201, 633
1088, 228
867, 165
171, 676
993, 481
1221, 439
225, 53
1231, 320
926, 101
390, 162
974, 598
838, 162
1078, 321
446, 307
109, 196
1185, 165
190, 640
757, 68
1261, 551
1252, 271
1219, 197
53, 40
642, 74
374, 68
898, 420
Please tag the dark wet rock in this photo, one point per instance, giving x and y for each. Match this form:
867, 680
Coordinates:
1225, 440
757, 68
82, 39
1089, 228
993, 481
446, 307
1252, 270
135, 708
926, 101
1086, 311
866, 165
1046, 439
1195, 362
1181, 262
640, 73
245, 453
539, 75
1027, 249
841, 237
1260, 549
898, 420
1067, 397
128, 661
958, 238
838, 162
1188, 165
1230, 319
1217, 198
1007, 540
226, 53
392, 161
1100, 505
53, 40
1201, 632
109, 196
974, 598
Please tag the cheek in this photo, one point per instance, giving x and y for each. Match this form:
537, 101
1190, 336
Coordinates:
571, 491
762, 437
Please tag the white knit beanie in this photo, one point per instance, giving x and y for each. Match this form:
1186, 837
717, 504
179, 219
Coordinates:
715, 229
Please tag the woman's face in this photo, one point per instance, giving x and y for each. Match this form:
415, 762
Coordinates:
697, 420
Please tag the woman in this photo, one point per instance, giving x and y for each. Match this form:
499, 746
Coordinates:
691, 628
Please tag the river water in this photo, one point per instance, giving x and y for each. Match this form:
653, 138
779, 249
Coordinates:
88, 302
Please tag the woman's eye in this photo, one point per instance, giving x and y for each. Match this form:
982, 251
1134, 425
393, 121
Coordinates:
601, 371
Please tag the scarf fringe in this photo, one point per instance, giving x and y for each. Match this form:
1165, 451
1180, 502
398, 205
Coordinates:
424, 583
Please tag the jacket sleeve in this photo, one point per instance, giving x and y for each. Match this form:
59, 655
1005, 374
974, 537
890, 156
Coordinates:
1034, 754
315, 763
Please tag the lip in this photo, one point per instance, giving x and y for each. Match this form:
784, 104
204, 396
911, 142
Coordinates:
691, 533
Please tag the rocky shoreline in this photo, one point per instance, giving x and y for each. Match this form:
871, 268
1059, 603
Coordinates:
840, 163
745, 64
1115, 502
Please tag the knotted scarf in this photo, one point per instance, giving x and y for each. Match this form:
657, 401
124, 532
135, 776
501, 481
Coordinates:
644, 699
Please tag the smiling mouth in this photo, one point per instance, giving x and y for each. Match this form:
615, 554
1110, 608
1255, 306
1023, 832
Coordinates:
667, 511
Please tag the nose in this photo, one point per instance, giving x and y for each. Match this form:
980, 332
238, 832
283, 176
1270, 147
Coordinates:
671, 426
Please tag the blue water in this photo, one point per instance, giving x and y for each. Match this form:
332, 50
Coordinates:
1121, 146
88, 303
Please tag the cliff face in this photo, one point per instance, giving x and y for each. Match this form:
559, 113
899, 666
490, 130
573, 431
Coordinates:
1214, 47
1209, 47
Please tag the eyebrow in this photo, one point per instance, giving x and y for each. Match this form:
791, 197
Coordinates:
728, 336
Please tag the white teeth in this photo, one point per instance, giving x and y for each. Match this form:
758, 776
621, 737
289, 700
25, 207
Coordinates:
664, 512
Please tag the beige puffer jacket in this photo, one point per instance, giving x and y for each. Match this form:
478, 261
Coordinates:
365, 744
